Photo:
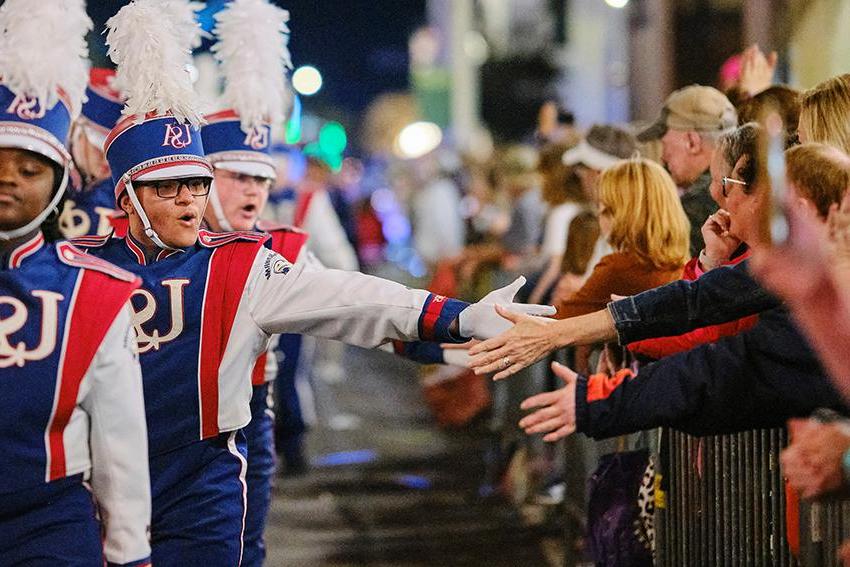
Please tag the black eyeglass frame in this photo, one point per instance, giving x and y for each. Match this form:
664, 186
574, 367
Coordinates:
170, 188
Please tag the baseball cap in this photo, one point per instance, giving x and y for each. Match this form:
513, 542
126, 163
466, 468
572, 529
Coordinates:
698, 108
602, 147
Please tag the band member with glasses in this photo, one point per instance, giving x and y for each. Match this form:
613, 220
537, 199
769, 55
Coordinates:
209, 302
75, 488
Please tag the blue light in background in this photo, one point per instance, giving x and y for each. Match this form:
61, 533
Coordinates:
413, 481
344, 458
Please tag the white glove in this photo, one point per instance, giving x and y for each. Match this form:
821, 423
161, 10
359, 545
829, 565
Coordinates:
480, 320
456, 357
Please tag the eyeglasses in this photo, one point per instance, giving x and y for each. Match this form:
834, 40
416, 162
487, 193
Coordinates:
170, 188
726, 180
259, 180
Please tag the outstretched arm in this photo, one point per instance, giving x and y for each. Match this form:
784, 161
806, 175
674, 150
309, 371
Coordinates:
365, 310
757, 379
719, 296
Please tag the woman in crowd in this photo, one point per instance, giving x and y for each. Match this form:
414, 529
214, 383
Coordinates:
641, 218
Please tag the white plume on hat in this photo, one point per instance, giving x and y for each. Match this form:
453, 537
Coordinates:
252, 50
43, 47
151, 42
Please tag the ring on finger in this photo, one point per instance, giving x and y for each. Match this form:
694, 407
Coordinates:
506, 362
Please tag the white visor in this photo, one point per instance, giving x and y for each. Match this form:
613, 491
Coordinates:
39, 146
175, 172
253, 168
592, 157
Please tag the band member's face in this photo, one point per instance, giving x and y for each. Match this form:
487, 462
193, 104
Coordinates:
26, 186
243, 198
174, 215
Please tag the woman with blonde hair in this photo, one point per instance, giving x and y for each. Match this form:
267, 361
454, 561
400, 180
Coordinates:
642, 218
825, 113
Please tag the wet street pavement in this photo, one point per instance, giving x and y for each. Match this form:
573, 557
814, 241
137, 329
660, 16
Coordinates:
388, 488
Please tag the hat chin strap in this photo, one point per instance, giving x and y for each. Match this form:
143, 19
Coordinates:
146, 223
6, 235
218, 211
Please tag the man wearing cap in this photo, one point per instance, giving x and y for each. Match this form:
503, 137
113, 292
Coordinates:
691, 121
90, 206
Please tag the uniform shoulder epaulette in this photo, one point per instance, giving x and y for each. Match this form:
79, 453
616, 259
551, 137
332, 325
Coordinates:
215, 239
72, 256
269, 227
90, 241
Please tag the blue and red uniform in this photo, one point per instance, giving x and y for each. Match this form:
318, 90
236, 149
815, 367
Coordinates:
72, 427
203, 316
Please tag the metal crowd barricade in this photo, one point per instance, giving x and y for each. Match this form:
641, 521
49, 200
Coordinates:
725, 500
823, 527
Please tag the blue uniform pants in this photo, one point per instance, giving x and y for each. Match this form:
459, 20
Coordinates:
261, 465
198, 496
51, 524
290, 426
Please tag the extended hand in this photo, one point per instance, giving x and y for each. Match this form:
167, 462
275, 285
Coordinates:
812, 463
757, 70
481, 321
557, 414
529, 340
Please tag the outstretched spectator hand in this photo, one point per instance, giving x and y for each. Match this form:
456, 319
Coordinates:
812, 463
481, 321
719, 244
556, 416
757, 70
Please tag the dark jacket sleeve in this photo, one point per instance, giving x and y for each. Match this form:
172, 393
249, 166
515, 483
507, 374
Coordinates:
759, 378
719, 296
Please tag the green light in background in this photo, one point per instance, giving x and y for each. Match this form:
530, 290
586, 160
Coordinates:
332, 159
332, 138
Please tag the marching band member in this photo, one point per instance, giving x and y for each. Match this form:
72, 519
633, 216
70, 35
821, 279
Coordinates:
72, 422
90, 208
210, 302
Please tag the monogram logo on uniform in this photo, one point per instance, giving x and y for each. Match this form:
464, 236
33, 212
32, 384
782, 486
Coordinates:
19, 354
147, 312
178, 136
27, 108
257, 138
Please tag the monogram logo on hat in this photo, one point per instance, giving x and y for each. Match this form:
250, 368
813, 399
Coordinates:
178, 136
257, 138
27, 108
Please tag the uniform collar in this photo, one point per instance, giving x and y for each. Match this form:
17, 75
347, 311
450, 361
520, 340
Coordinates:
137, 251
14, 258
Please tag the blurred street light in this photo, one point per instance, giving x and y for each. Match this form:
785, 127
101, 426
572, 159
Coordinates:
307, 80
418, 139
617, 3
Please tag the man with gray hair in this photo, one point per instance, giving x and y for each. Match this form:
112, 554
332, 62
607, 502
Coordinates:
691, 122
